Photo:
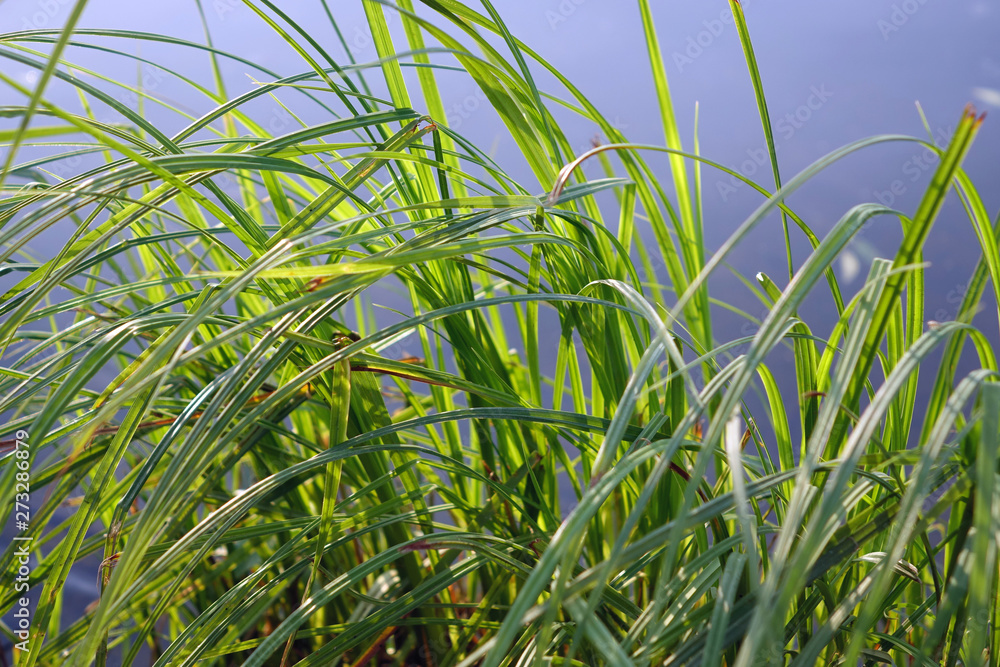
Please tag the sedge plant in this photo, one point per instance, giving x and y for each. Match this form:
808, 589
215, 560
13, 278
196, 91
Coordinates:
349, 392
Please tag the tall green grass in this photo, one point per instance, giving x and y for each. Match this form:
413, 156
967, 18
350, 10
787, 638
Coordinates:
539, 455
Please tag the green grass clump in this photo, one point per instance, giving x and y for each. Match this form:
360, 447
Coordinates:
538, 455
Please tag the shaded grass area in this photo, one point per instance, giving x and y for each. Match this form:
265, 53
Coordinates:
272, 475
